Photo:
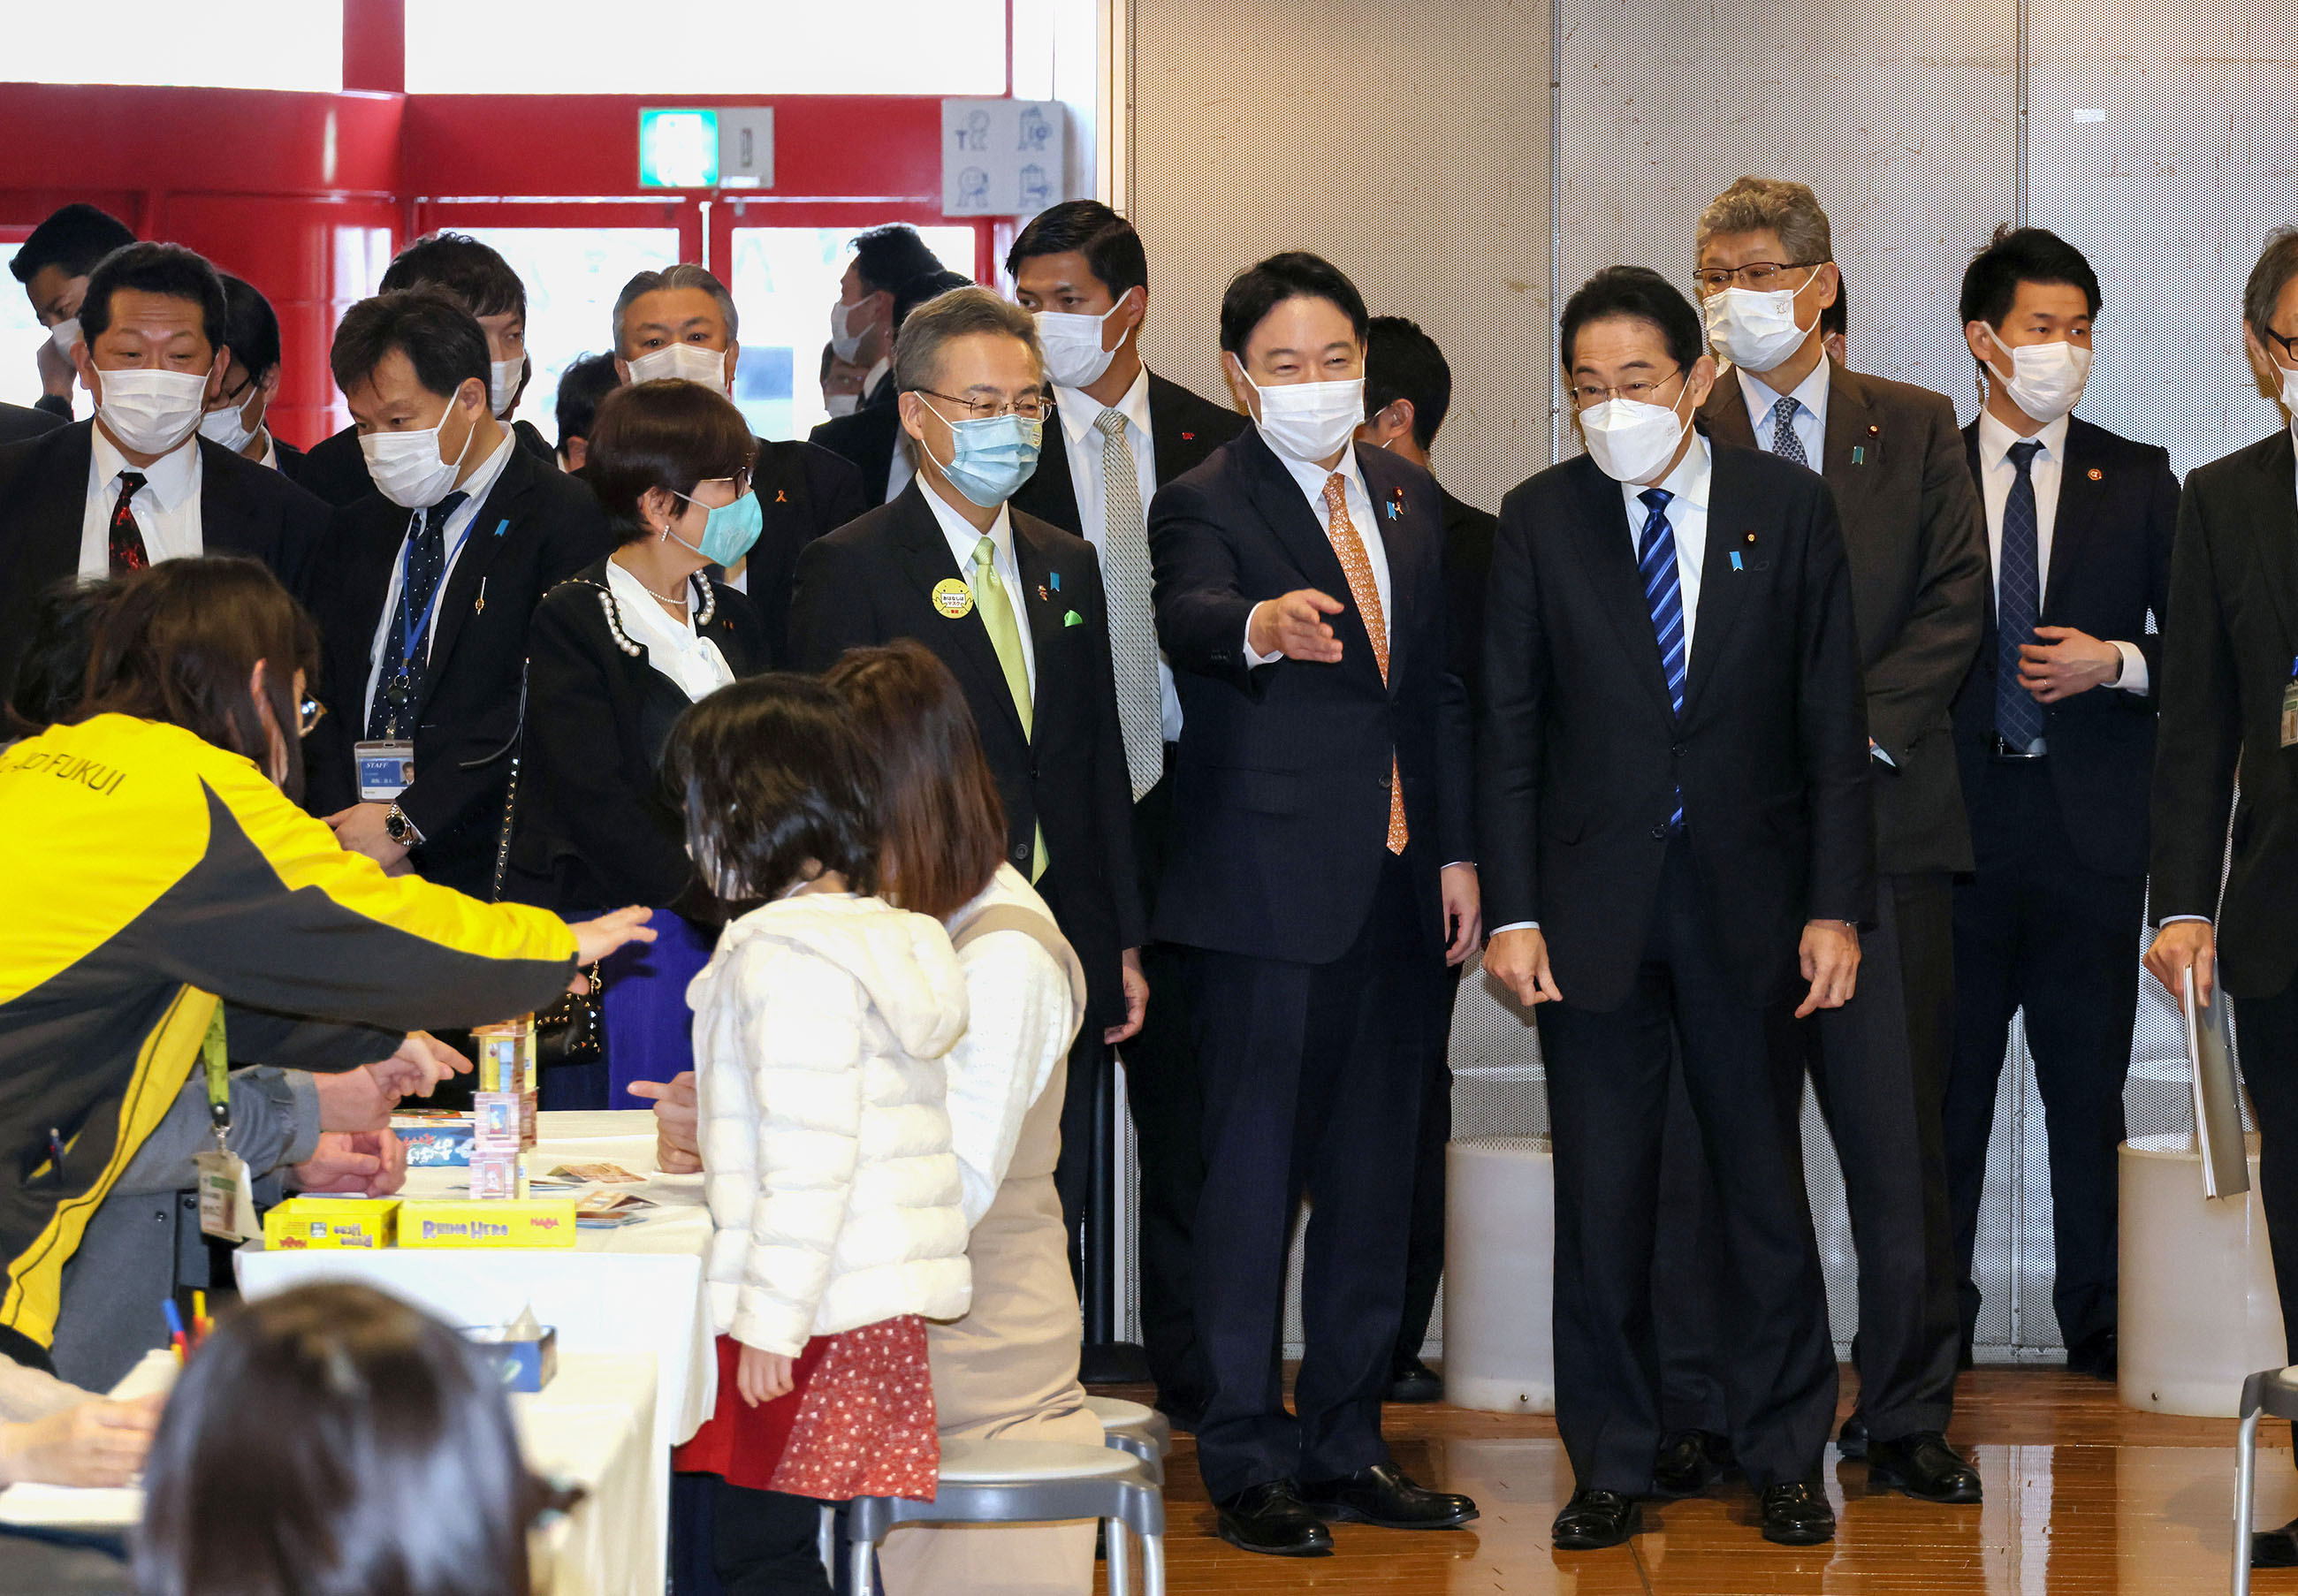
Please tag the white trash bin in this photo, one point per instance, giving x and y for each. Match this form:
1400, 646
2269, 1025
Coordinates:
1500, 1261
2198, 1311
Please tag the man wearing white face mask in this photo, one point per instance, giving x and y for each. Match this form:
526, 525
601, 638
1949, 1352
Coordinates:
236, 417
54, 265
138, 484
681, 322
1678, 848
1916, 542
1323, 770
435, 578
2056, 729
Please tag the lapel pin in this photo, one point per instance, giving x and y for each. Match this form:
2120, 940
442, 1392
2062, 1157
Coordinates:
2096, 475
1874, 431
502, 526
1045, 594
952, 597
1735, 561
1188, 437
1858, 454
781, 497
1747, 537
1057, 581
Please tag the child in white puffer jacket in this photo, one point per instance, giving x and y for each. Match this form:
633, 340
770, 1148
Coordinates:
821, 1025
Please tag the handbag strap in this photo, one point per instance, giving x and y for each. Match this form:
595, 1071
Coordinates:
510, 795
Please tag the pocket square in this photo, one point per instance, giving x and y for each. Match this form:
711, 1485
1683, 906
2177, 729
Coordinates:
1073, 619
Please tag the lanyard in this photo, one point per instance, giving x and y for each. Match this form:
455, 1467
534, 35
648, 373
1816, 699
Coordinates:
415, 628
216, 1058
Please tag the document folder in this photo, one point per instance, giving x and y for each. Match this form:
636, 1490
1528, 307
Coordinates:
2218, 1095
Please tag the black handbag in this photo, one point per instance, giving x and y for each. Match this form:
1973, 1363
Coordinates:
572, 1031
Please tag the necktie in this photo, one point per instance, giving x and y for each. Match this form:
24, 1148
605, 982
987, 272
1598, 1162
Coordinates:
1784, 441
1664, 596
996, 613
1357, 566
1132, 621
399, 685
126, 541
2018, 604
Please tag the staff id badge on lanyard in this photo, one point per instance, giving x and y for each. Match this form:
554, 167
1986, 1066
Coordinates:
386, 766
2290, 708
226, 1191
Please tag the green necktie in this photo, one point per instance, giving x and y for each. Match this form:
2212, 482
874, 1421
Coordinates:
997, 612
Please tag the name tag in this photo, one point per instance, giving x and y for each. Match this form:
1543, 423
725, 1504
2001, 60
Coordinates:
385, 770
227, 1196
2290, 715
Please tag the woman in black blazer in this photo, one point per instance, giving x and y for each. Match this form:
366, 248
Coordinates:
617, 653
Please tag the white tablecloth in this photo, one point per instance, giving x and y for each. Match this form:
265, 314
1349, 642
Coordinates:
636, 1289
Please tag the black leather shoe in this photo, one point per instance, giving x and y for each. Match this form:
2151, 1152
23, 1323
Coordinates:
1798, 1515
2095, 1355
2275, 1548
1924, 1467
1415, 1382
1851, 1440
1272, 1520
1384, 1495
1690, 1461
1594, 1519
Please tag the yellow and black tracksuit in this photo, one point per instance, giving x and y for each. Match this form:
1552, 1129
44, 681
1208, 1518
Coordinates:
145, 876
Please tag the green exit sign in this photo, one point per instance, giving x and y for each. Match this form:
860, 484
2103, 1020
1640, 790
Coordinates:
678, 149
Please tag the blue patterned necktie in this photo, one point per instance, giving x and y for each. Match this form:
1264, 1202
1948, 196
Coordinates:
2018, 604
400, 682
1784, 441
1664, 596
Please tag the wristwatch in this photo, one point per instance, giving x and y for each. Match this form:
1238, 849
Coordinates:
401, 828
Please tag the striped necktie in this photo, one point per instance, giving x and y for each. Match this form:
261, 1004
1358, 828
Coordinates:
2018, 604
1356, 564
1664, 597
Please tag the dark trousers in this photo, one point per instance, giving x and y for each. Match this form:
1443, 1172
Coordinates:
764, 1543
1313, 1076
2035, 930
2266, 1034
1879, 1066
1424, 1259
1607, 1084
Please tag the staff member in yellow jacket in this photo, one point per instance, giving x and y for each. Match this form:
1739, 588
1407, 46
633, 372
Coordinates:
156, 880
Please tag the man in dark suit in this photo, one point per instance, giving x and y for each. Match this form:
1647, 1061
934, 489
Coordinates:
480, 280
18, 422
1014, 607
1678, 844
236, 418
2226, 677
1408, 392
53, 264
436, 578
681, 323
863, 323
2054, 728
1080, 269
1323, 772
137, 484
872, 437
1915, 543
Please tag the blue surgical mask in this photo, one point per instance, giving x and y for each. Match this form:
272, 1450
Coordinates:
993, 457
728, 531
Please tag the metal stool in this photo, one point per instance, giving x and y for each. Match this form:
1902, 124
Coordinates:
1026, 1481
2269, 1391
1128, 1426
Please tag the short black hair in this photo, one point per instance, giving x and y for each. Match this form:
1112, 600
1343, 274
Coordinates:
1835, 320
915, 292
587, 380
886, 258
1403, 362
1642, 293
443, 341
667, 434
75, 238
1296, 274
249, 327
477, 276
2016, 255
52, 674
1111, 247
168, 270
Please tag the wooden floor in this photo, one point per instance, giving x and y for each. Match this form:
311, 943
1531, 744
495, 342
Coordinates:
2083, 1496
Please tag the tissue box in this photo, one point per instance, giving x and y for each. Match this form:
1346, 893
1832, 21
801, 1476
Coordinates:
434, 1143
330, 1224
533, 1222
527, 1363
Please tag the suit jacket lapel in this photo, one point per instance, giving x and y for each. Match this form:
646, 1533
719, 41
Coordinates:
1851, 455
482, 544
2276, 532
2079, 500
1043, 616
226, 527
1722, 591
50, 549
1052, 492
1300, 530
927, 560
1607, 547
1383, 488
1726, 413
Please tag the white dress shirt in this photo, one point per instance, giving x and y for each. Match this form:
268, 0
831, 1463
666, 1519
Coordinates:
964, 538
1996, 474
477, 487
1078, 412
904, 466
167, 507
1311, 477
1810, 425
676, 650
270, 461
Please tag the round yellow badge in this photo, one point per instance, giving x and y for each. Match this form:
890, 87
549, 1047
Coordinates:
952, 597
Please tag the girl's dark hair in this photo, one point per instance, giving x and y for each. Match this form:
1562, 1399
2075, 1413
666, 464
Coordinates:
178, 643
334, 1441
669, 435
776, 785
54, 671
942, 829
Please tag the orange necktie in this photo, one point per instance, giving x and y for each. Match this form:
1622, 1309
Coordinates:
1357, 564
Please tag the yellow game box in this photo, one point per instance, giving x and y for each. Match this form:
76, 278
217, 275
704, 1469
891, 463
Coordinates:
328, 1224
455, 1222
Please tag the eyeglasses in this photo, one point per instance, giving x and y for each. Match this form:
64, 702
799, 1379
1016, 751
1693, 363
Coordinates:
1762, 275
1028, 409
308, 713
2289, 344
1642, 391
